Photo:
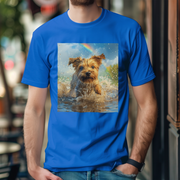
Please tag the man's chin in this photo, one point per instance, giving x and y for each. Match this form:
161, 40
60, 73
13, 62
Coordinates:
82, 2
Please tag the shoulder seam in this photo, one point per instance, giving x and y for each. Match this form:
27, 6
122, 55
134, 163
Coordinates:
134, 39
44, 51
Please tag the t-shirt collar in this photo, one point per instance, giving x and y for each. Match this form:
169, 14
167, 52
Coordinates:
82, 25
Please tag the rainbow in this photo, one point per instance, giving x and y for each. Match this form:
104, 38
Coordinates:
88, 47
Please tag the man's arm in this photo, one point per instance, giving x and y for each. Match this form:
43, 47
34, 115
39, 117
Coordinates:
34, 120
146, 120
145, 124
34, 123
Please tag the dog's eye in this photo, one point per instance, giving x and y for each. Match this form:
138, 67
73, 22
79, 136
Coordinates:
92, 67
81, 67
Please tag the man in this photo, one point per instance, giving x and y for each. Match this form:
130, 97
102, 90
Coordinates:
86, 144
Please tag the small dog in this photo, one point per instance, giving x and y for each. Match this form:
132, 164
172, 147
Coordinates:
85, 79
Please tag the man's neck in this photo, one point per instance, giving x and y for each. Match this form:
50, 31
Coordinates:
84, 14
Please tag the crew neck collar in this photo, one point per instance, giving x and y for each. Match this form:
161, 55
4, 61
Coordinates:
88, 24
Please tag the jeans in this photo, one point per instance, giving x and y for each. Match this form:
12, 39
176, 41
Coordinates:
114, 174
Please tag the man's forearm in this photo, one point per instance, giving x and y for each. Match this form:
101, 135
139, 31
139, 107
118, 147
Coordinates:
33, 136
144, 131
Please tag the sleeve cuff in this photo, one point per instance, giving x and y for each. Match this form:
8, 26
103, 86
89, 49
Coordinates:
33, 83
143, 81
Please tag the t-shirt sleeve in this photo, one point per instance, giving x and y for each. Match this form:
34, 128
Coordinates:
37, 68
140, 70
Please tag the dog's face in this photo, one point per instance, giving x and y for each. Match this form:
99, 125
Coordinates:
87, 69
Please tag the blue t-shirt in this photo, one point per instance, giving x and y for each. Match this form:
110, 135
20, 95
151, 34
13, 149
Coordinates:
87, 67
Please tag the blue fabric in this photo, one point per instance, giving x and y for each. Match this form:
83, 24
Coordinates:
86, 141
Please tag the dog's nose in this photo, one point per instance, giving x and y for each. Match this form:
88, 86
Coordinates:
88, 73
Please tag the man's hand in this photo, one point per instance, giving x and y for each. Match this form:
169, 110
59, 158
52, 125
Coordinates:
43, 174
127, 169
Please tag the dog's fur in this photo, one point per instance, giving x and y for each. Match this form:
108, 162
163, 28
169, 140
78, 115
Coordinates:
85, 79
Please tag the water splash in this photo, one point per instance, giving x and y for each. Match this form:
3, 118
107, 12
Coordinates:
106, 102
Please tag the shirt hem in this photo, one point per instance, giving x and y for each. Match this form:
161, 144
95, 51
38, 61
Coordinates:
77, 169
87, 168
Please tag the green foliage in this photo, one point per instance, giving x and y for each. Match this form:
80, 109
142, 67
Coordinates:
10, 25
113, 73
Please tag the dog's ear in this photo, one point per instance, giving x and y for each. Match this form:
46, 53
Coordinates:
75, 61
102, 56
99, 58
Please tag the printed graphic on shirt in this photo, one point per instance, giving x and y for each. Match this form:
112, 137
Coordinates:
87, 77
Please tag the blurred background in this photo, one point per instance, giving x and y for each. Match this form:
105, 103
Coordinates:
159, 21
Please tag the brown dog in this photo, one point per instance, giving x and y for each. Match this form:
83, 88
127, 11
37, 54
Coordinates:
85, 79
